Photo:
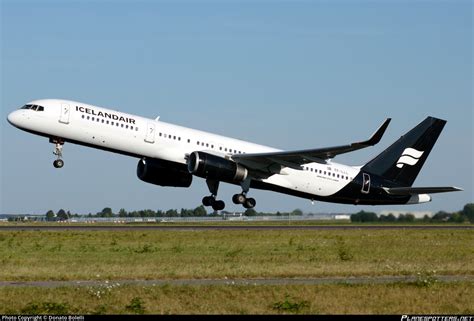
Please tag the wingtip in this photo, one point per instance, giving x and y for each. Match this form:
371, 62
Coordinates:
377, 136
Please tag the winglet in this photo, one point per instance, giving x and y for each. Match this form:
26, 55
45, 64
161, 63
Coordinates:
375, 138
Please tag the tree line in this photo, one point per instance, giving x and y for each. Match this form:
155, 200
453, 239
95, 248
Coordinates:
464, 215
198, 211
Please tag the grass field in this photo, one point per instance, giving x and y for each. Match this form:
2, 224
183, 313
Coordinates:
162, 254
452, 298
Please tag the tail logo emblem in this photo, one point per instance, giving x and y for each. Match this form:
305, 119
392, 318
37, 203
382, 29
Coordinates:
410, 156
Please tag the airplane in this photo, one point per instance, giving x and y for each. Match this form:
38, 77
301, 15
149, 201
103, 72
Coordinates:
171, 155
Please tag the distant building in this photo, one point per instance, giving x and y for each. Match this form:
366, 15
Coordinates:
342, 217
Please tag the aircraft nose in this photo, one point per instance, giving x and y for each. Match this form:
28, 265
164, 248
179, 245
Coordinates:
14, 117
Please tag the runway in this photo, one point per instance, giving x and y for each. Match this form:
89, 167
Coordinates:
227, 227
240, 282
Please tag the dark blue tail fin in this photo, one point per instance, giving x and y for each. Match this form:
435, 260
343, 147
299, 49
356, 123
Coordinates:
402, 161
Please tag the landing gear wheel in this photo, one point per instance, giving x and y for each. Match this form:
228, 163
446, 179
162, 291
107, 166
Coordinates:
208, 200
250, 203
218, 205
238, 199
58, 163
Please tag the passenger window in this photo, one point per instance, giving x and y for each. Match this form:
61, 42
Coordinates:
131, 127
83, 116
189, 140
92, 118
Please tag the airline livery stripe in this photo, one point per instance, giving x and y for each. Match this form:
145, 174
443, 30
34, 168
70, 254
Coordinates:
412, 152
407, 160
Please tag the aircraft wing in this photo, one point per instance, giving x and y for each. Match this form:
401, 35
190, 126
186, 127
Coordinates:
420, 190
273, 162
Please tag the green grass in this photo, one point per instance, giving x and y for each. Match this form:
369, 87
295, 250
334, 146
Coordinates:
448, 298
175, 254
178, 254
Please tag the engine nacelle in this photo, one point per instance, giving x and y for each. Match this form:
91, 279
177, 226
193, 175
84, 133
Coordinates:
163, 173
211, 166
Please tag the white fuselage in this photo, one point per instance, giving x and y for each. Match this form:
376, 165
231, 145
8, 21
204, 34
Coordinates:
142, 137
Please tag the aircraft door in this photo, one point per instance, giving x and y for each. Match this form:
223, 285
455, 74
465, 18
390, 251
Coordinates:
150, 133
65, 112
365, 183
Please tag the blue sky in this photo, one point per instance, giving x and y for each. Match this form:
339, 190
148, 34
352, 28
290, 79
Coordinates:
291, 75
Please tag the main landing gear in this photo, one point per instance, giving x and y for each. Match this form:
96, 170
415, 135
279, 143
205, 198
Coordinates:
242, 197
58, 151
218, 205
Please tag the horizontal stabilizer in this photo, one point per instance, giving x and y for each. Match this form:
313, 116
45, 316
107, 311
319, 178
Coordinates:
420, 190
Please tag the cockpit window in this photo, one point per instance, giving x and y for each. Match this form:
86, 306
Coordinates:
33, 107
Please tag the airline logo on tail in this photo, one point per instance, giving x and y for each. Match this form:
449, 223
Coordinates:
410, 156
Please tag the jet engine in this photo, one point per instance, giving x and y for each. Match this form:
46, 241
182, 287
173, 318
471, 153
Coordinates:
163, 173
215, 167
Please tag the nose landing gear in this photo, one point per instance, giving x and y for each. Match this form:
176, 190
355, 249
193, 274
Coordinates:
58, 151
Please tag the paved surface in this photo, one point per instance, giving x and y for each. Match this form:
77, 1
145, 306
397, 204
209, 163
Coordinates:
230, 227
280, 281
